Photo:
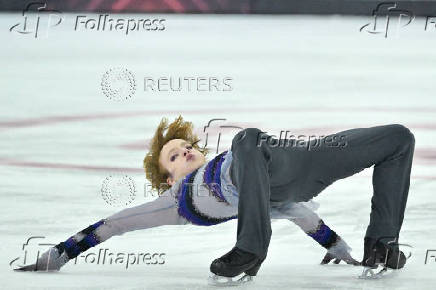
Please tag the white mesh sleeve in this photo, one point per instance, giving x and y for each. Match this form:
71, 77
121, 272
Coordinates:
301, 213
159, 212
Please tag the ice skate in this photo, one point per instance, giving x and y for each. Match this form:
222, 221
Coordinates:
382, 253
227, 270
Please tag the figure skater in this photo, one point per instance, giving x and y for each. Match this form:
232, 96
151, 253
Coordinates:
257, 179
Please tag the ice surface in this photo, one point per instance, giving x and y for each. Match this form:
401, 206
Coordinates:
60, 137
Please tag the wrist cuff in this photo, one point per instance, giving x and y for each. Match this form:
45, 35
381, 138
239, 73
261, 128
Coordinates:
73, 246
323, 235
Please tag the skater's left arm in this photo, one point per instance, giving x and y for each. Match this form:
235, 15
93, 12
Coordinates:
314, 226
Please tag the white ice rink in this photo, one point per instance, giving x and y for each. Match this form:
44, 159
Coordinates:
60, 137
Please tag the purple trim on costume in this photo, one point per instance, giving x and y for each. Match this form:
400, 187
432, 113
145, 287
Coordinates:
214, 182
187, 209
183, 209
97, 224
71, 247
322, 235
91, 240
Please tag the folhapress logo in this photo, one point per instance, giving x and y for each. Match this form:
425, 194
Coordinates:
36, 19
31, 252
430, 256
384, 16
104, 22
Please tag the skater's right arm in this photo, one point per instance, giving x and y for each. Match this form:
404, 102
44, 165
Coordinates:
159, 212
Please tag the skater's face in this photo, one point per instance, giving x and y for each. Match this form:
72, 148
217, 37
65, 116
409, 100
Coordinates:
180, 158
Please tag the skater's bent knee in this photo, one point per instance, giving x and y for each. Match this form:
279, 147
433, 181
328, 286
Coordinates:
405, 135
247, 138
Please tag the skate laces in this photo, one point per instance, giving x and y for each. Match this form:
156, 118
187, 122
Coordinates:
231, 256
237, 255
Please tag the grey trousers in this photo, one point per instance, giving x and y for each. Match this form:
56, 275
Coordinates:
267, 170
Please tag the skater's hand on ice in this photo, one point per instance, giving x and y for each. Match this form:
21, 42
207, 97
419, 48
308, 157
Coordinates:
51, 260
349, 260
339, 251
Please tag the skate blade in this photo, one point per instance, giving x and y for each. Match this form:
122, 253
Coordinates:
369, 273
26, 268
216, 280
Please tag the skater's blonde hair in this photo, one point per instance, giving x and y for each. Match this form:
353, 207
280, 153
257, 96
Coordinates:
179, 129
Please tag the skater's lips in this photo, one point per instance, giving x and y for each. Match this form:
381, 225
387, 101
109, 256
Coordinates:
189, 157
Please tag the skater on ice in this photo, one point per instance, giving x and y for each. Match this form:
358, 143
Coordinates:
258, 179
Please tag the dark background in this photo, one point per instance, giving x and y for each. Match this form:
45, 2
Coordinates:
352, 7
